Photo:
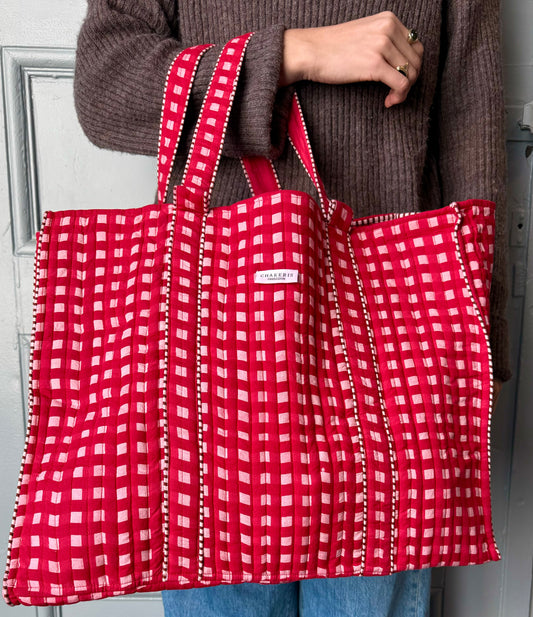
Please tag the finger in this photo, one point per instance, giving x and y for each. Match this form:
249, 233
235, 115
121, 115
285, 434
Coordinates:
391, 25
399, 36
414, 51
405, 31
412, 54
394, 57
399, 84
393, 46
397, 51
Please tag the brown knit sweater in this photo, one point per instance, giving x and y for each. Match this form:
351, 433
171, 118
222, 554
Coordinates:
444, 143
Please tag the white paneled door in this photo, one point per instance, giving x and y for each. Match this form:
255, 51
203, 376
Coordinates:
46, 163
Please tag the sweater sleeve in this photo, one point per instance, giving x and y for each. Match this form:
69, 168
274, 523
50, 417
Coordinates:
471, 138
123, 54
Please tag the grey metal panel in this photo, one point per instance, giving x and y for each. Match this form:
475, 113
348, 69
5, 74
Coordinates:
518, 563
438, 579
435, 609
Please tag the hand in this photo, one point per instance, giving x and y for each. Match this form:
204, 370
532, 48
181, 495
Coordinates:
366, 49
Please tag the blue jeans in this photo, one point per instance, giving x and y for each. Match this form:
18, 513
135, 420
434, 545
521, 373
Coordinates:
404, 594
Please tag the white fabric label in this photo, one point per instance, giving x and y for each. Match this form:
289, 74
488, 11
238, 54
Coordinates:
276, 276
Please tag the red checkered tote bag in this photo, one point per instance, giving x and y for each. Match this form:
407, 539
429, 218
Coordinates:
265, 392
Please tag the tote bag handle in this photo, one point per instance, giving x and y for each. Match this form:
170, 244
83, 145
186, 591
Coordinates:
178, 88
208, 140
261, 173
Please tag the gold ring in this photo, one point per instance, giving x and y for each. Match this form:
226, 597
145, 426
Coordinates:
403, 69
412, 37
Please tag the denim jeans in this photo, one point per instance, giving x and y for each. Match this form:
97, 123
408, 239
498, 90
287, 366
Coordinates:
404, 594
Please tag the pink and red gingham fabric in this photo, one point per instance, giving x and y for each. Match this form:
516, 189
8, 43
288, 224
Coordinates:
192, 424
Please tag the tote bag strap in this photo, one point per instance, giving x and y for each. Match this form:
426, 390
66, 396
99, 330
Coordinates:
206, 147
260, 171
178, 88
260, 174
